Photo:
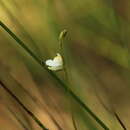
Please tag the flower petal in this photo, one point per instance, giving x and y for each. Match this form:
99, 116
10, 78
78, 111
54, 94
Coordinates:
56, 63
49, 62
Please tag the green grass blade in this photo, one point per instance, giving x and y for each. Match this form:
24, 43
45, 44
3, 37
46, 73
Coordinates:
66, 88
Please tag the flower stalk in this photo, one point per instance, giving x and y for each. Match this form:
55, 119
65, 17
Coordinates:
61, 45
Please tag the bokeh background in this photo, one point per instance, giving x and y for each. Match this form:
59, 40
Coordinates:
96, 51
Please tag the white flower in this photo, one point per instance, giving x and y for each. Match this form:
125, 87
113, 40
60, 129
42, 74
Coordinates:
56, 63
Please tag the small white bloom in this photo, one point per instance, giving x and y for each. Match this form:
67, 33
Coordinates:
56, 63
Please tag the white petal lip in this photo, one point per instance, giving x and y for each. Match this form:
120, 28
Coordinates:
50, 62
56, 63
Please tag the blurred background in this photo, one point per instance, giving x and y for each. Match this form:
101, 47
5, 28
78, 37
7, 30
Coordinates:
96, 51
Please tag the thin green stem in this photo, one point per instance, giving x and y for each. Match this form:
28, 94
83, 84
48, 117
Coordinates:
23, 106
61, 47
74, 122
66, 88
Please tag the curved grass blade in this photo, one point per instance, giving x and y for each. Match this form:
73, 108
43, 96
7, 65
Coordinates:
66, 88
20, 103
